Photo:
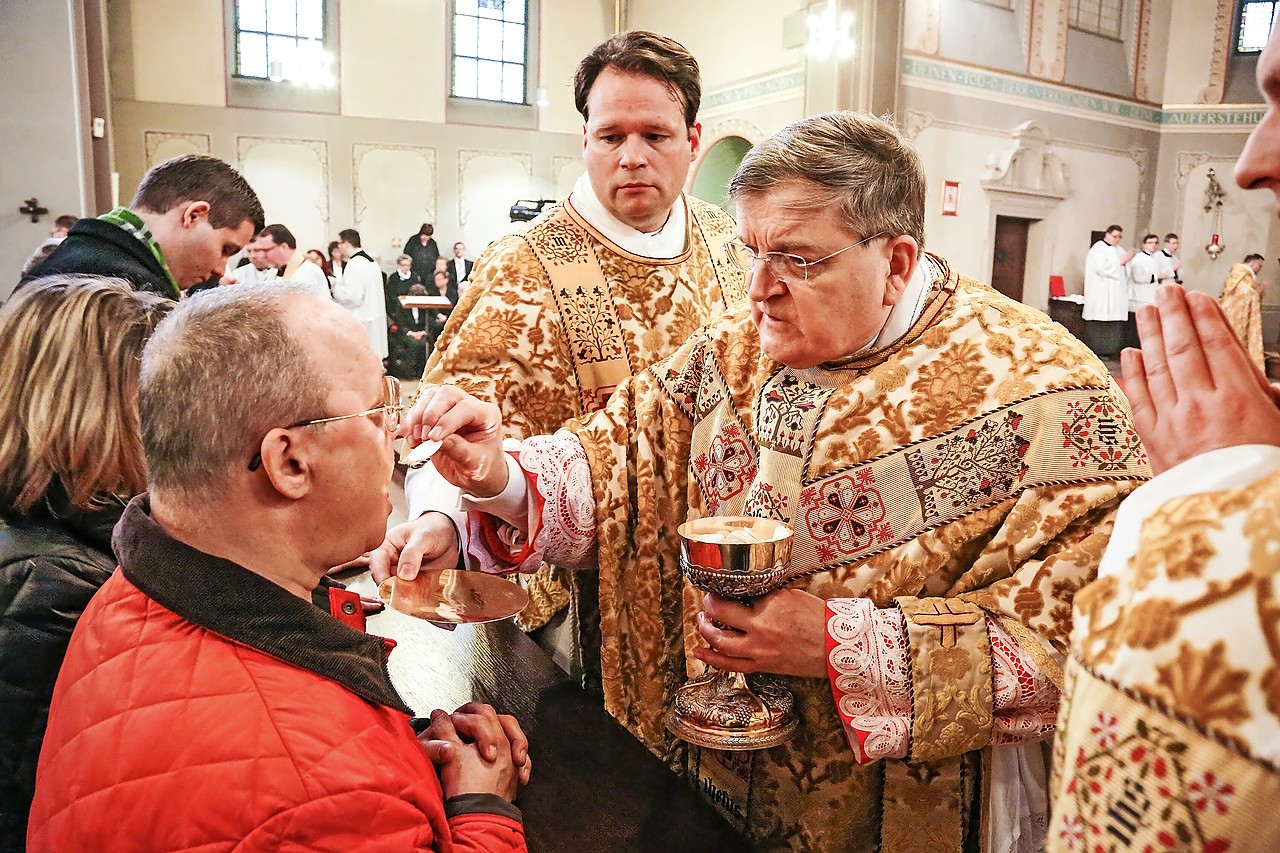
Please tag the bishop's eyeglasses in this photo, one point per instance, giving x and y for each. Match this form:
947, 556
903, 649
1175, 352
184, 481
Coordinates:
392, 410
783, 266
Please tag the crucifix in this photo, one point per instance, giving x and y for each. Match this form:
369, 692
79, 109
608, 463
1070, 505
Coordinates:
33, 209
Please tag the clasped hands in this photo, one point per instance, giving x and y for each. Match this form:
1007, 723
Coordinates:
476, 750
1192, 387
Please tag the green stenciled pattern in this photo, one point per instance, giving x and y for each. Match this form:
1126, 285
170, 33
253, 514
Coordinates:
1061, 96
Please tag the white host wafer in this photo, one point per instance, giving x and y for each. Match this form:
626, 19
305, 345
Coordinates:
420, 454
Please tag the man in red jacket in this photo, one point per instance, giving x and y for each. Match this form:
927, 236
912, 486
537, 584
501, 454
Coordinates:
205, 702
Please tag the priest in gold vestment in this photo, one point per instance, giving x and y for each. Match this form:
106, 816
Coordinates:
599, 287
949, 459
1241, 302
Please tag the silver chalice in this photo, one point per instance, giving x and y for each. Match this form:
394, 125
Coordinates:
744, 558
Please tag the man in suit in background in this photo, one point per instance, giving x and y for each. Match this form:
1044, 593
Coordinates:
459, 266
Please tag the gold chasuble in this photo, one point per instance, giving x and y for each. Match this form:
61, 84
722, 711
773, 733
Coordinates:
1169, 738
970, 468
555, 318
1241, 302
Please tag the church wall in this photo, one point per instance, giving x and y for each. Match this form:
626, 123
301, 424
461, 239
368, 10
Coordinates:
392, 65
43, 144
386, 160
1097, 63
980, 34
569, 30
175, 50
961, 116
1058, 241
319, 173
1199, 35
732, 41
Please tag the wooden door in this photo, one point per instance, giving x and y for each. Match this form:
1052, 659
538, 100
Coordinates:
1009, 261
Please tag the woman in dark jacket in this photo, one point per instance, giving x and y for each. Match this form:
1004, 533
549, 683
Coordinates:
70, 458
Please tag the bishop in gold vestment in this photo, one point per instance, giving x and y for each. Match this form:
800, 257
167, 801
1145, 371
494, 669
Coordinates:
949, 459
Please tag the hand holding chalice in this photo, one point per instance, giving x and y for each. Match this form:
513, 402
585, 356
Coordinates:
744, 558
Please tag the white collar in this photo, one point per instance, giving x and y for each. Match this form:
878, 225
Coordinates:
666, 242
905, 312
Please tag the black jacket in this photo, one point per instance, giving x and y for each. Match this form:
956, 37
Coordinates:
95, 247
52, 561
424, 256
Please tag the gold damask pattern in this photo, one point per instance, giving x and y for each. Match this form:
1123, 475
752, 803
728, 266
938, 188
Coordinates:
1021, 558
952, 700
1171, 736
515, 342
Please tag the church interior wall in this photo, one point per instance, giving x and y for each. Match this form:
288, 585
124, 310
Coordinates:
1242, 83
1098, 63
344, 190
42, 140
386, 159
1059, 240
980, 34
733, 41
1198, 36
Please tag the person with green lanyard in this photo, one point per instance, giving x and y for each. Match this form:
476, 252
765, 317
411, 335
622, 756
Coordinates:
190, 214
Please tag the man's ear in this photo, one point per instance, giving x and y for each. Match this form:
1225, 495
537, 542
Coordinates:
695, 140
903, 254
193, 212
286, 462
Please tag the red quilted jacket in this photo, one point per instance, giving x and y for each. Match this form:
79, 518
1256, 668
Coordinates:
164, 735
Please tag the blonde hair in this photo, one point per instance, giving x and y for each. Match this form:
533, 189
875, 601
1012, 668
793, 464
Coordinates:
69, 358
862, 166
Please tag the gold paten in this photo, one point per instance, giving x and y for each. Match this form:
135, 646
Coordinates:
448, 595
728, 710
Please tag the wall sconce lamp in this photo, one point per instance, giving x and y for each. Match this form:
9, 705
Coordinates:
1214, 195
540, 98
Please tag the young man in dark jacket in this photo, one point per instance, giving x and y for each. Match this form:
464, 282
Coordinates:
190, 214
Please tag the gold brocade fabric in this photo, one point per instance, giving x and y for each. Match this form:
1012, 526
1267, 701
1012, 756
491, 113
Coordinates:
1170, 734
554, 318
1242, 304
976, 463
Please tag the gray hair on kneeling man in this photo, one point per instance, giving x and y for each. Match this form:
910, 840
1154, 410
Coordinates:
219, 373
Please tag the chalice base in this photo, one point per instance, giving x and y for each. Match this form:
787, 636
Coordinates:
721, 710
